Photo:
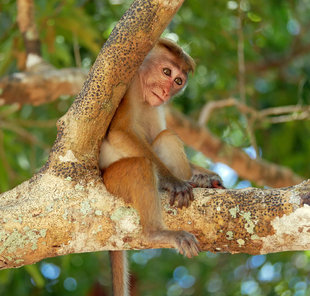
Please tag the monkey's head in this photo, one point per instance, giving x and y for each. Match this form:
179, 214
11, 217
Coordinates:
164, 72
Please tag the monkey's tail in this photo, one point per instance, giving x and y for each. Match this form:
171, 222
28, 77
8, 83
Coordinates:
119, 273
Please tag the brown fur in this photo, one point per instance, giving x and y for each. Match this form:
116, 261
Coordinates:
139, 155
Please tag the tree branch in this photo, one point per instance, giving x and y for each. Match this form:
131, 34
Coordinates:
257, 170
41, 84
61, 216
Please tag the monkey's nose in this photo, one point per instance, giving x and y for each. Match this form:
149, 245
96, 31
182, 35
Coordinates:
166, 95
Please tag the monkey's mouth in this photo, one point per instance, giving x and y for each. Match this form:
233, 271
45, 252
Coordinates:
156, 95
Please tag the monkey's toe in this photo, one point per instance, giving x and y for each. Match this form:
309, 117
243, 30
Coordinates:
187, 244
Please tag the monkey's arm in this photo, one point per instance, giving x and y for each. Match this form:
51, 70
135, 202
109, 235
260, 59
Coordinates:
170, 149
131, 145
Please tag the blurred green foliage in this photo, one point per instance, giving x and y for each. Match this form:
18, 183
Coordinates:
276, 48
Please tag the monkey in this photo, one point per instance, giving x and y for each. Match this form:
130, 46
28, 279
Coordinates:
139, 156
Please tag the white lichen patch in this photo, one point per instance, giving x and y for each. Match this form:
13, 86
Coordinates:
49, 208
65, 214
68, 157
85, 208
11, 242
292, 232
99, 203
79, 187
249, 225
233, 211
95, 231
294, 200
126, 218
98, 213
229, 235
18, 220
240, 242
170, 210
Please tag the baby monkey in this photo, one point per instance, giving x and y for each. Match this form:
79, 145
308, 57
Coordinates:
140, 156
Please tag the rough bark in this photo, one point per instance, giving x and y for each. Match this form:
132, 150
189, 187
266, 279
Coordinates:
62, 216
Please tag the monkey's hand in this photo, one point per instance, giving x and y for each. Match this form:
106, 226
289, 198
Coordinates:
180, 191
206, 181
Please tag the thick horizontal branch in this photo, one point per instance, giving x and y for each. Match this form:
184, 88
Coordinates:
49, 216
257, 170
41, 85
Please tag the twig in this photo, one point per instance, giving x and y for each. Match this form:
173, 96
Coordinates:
297, 112
10, 172
76, 51
27, 26
241, 79
283, 110
23, 133
241, 63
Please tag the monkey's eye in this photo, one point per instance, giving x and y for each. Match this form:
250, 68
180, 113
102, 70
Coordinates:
167, 71
178, 81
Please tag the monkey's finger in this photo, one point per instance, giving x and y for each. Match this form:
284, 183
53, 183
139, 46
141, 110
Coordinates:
181, 199
183, 245
190, 247
191, 196
172, 198
195, 249
188, 195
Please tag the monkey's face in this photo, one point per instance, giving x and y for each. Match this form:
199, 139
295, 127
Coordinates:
161, 77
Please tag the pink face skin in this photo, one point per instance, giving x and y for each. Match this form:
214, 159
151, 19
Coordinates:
161, 77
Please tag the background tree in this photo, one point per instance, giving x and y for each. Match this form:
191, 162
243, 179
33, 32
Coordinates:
255, 53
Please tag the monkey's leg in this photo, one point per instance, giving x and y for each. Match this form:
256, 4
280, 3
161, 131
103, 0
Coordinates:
170, 149
134, 179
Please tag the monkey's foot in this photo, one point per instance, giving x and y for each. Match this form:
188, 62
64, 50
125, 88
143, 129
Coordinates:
206, 181
185, 242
